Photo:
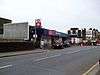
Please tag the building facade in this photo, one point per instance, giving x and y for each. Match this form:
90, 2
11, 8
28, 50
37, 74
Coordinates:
83, 36
75, 36
48, 36
3, 21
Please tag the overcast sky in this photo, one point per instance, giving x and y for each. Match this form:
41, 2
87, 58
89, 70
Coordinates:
55, 14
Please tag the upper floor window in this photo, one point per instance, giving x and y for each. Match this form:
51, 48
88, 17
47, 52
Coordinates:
74, 32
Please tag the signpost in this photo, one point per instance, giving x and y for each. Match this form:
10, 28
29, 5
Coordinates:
37, 25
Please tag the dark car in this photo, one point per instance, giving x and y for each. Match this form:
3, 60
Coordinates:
58, 45
66, 45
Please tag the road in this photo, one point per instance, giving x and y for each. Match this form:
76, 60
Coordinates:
68, 61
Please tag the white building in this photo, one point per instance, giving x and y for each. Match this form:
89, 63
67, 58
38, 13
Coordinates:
89, 34
75, 35
16, 31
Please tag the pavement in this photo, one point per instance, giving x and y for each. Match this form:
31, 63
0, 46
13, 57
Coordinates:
98, 73
68, 61
17, 53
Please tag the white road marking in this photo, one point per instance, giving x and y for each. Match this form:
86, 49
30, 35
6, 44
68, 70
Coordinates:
74, 52
56, 56
47, 57
5, 66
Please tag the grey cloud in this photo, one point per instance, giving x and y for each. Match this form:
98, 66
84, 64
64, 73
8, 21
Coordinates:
54, 13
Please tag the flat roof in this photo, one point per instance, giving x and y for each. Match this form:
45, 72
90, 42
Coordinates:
4, 19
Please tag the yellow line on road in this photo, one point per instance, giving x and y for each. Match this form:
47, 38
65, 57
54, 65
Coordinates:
87, 72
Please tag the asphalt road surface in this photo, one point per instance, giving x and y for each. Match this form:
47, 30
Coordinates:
68, 61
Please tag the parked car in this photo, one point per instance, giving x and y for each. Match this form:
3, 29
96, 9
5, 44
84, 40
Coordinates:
58, 44
66, 44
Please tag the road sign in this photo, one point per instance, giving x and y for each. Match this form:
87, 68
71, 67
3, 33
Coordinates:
38, 23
